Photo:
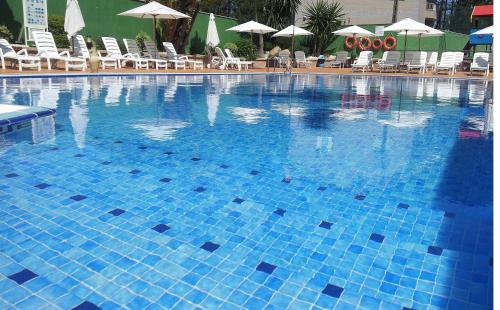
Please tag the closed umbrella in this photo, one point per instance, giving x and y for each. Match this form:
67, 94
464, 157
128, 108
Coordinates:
212, 34
407, 25
292, 31
155, 11
73, 19
254, 27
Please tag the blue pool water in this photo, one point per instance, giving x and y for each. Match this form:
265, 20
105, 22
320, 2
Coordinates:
248, 191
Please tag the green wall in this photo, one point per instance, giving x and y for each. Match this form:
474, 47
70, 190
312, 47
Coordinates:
196, 41
100, 17
450, 41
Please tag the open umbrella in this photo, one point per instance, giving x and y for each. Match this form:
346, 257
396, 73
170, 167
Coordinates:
212, 34
487, 30
155, 11
431, 32
407, 25
254, 27
73, 20
292, 31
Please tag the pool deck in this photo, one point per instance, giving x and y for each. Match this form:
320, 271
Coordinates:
347, 71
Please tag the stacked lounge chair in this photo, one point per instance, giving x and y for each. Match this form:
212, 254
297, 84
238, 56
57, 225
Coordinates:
23, 60
237, 61
446, 63
481, 62
82, 51
301, 60
364, 61
391, 61
133, 49
47, 49
180, 61
340, 60
418, 61
113, 51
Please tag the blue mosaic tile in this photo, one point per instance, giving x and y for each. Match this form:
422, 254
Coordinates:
223, 166
279, 212
286, 180
116, 212
238, 200
325, 224
377, 237
322, 188
403, 206
360, 197
434, 250
42, 185
106, 163
161, 228
266, 267
200, 189
78, 197
79, 155
165, 180
254, 172
12, 175
195, 159
210, 246
23, 276
168, 153
86, 305
134, 171
333, 290
449, 214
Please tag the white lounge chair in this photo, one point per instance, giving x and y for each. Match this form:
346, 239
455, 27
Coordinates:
113, 51
418, 61
446, 63
237, 61
177, 60
364, 61
459, 59
132, 48
46, 47
340, 60
391, 62
432, 60
22, 58
82, 51
284, 59
220, 59
300, 59
480, 62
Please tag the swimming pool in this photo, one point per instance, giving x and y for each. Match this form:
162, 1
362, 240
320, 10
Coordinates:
248, 191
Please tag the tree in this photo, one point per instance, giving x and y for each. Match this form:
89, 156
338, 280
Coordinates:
279, 13
322, 18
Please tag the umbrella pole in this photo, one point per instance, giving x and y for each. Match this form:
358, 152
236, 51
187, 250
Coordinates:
419, 37
404, 51
154, 30
293, 47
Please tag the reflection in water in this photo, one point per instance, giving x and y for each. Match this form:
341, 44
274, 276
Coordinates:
249, 115
406, 119
160, 130
43, 129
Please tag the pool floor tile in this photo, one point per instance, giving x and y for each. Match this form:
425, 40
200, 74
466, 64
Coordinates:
332, 290
266, 267
116, 212
161, 228
86, 305
210, 246
23, 276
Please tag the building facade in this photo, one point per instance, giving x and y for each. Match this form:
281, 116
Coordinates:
361, 12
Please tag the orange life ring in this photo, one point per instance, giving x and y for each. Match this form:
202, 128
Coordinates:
390, 43
377, 44
350, 42
364, 44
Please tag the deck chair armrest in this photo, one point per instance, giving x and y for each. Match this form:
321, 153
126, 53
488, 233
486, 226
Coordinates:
184, 57
23, 52
65, 53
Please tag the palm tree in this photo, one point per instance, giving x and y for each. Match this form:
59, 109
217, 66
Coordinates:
322, 18
279, 13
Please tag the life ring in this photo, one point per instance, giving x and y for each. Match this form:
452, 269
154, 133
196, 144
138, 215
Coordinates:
390, 43
350, 42
377, 44
365, 43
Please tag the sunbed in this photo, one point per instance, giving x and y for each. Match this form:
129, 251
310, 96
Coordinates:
177, 60
417, 62
340, 60
432, 60
46, 47
364, 61
22, 58
237, 61
82, 51
113, 51
132, 48
480, 62
446, 63
391, 61
300, 59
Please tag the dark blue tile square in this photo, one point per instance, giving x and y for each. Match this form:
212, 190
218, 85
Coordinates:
286, 180
321, 188
238, 200
55, 148
403, 205
142, 147
79, 155
223, 166
325, 224
23, 276
195, 159
161, 228
78, 197
435, 250
254, 172
42, 185
266, 267
166, 180
168, 153
360, 197
12, 175
86, 305
210, 246
200, 189
449, 214
106, 163
406, 308
118, 142
377, 238
135, 171
280, 212
116, 212
333, 290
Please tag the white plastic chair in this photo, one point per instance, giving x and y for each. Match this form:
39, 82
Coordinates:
459, 58
132, 48
177, 60
237, 61
22, 58
418, 61
446, 63
431, 61
391, 62
46, 47
340, 60
284, 59
113, 51
300, 59
480, 62
82, 51
364, 61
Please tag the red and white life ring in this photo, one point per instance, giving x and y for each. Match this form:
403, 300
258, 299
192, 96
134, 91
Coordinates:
350, 42
377, 44
364, 44
390, 43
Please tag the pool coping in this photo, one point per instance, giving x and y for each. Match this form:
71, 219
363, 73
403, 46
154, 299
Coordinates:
27, 113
